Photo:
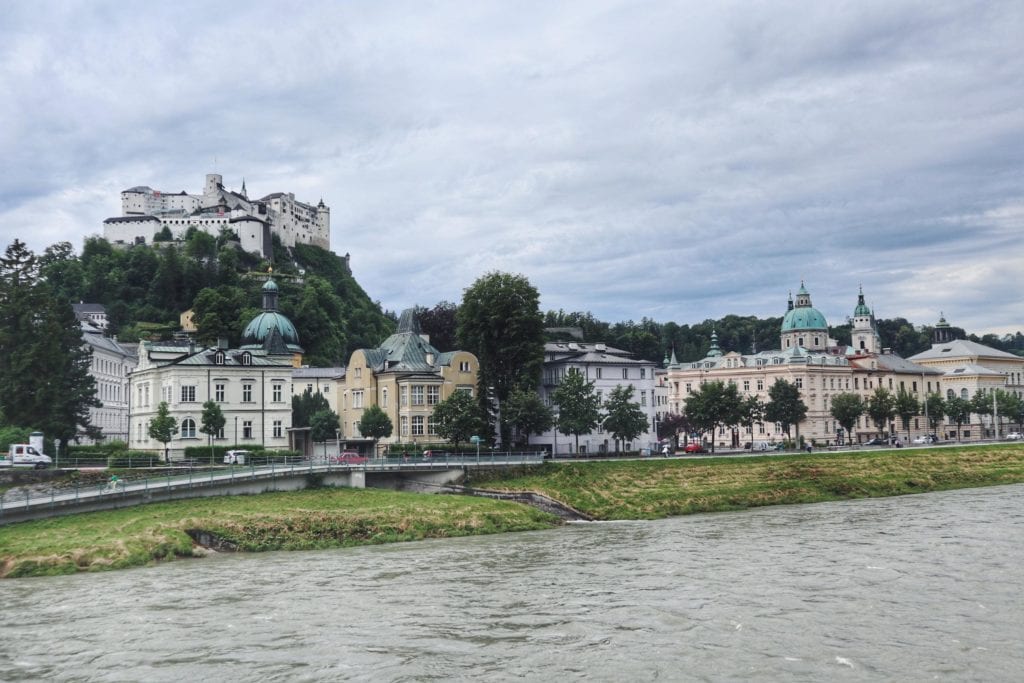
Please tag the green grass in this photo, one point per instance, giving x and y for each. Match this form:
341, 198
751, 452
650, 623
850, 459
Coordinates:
655, 488
301, 520
644, 489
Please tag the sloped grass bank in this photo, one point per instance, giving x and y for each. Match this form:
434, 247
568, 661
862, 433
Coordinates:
300, 520
655, 488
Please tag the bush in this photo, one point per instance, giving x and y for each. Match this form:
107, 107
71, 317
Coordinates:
124, 459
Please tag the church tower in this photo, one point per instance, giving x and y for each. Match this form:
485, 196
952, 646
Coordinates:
864, 334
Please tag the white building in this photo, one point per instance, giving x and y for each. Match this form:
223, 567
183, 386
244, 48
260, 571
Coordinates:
111, 365
252, 385
145, 212
608, 368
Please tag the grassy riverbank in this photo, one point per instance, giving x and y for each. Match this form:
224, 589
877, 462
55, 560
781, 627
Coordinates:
300, 520
655, 488
645, 489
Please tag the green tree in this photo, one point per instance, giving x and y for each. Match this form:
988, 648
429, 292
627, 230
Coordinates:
579, 408
440, 325
211, 423
785, 406
215, 313
323, 424
375, 424
751, 412
959, 411
1011, 406
305, 405
459, 417
163, 427
881, 408
906, 407
44, 367
670, 426
624, 420
713, 405
846, 409
526, 413
935, 409
500, 321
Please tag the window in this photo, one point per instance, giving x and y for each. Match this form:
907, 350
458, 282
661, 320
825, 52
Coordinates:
799, 382
760, 385
247, 393
963, 393
246, 358
219, 434
359, 373
357, 399
643, 373
188, 428
276, 395
625, 373
218, 393
278, 430
417, 425
405, 425
404, 392
384, 398
417, 394
247, 429
431, 425
464, 366
643, 398
188, 394
746, 385
433, 395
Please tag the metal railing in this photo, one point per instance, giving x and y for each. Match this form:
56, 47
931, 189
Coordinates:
194, 477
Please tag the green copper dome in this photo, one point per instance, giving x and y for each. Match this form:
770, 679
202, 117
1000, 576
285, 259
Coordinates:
258, 329
804, 319
862, 308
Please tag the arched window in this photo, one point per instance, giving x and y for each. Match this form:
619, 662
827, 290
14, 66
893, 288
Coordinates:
188, 428
963, 393
950, 394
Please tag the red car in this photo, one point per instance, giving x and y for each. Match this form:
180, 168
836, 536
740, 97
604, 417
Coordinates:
694, 447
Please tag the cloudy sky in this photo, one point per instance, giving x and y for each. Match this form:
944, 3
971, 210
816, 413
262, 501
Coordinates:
674, 160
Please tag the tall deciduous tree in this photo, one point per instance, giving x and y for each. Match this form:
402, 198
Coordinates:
959, 411
625, 421
211, 423
525, 411
375, 424
163, 427
906, 407
459, 417
500, 321
881, 408
673, 423
713, 405
751, 413
323, 424
579, 408
846, 409
307, 404
440, 325
935, 409
785, 406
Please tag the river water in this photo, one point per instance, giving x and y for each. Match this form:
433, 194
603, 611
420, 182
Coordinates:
916, 588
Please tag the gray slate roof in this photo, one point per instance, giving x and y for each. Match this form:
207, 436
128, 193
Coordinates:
959, 348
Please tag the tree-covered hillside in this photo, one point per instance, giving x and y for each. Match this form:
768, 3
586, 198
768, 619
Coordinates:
146, 289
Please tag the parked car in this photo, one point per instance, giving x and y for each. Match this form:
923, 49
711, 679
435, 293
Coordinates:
236, 457
1014, 436
694, 447
348, 458
876, 442
926, 438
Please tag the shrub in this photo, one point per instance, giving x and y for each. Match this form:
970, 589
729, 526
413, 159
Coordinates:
123, 459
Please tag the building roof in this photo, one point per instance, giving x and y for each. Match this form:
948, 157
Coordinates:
107, 344
88, 308
972, 370
131, 219
804, 318
318, 373
963, 348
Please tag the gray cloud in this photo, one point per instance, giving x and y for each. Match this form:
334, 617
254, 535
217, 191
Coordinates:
678, 161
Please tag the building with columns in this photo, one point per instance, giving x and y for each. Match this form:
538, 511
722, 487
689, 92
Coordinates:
817, 365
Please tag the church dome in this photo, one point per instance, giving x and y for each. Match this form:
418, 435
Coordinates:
260, 330
804, 319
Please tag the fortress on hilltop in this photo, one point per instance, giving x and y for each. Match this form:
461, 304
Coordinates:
145, 213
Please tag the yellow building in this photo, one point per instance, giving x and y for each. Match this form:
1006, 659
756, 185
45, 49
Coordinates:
406, 377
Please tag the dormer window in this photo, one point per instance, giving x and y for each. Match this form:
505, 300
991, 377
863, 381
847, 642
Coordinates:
245, 358
218, 358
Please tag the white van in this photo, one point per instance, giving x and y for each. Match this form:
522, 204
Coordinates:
25, 455
236, 457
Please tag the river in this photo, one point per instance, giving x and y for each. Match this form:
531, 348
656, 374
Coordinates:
925, 587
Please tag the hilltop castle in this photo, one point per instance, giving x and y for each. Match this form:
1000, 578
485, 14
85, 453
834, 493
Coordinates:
145, 212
